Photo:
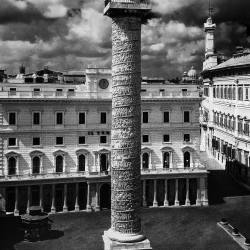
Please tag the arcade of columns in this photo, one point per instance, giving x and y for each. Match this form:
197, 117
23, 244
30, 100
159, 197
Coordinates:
93, 202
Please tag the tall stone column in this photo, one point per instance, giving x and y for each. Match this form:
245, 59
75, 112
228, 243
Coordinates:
125, 231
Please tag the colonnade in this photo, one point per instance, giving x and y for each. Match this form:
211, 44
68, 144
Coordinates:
93, 195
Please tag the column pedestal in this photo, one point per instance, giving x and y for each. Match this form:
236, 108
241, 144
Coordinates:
110, 244
155, 203
176, 202
88, 206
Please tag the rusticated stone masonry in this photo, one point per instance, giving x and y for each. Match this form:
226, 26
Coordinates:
126, 129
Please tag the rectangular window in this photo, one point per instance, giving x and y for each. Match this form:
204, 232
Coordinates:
166, 138
82, 117
186, 116
12, 142
71, 91
36, 118
59, 92
12, 118
12, 91
36, 141
187, 137
59, 118
59, 140
81, 140
103, 139
36, 91
166, 117
145, 138
184, 92
103, 117
145, 117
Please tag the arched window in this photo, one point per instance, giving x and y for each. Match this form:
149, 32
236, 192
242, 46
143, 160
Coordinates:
36, 163
81, 162
104, 162
145, 160
59, 163
186, 160
12, 166
166, 159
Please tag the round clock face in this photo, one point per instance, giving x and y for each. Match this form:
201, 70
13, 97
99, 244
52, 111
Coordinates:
103, 83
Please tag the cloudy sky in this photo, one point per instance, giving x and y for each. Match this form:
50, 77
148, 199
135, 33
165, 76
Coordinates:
71, 34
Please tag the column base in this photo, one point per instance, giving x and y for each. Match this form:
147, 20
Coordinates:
155, 204
88, 208
166, 204
16, 212
65, 209
97, 209
53, 210
204, 203
187, 202
135, 242
177, 203
77, 208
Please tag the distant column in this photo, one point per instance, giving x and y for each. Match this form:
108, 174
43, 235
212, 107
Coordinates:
204, 199
97, 206
155, 203
16, 211
198, 199
176, 202
41, 196
53, 209
144, 199
166, 204
28, 201
65, 192
77, 196
187, 202
88, 208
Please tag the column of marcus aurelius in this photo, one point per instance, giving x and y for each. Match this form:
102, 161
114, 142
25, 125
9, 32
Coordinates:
125, 232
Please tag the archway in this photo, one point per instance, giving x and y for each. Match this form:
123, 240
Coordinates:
105, 196
186, 160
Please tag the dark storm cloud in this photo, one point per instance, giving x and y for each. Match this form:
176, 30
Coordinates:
73, 33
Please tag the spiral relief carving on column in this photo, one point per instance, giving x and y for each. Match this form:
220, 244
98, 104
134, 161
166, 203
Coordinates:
126, 132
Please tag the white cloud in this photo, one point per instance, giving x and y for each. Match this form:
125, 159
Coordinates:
168, 6
92, 26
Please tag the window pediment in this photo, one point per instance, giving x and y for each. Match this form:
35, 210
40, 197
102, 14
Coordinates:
12, 154
102, 151
167, 149
146, 150
188, 148
82, 152
36, 153
59, 152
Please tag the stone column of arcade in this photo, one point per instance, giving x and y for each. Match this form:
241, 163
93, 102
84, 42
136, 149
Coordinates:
125, 231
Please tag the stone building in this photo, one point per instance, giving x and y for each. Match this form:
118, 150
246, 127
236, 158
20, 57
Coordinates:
225, 111
55, 142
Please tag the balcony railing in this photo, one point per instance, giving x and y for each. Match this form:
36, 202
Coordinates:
94, 174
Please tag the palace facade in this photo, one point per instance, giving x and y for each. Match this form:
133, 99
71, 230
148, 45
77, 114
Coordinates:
55, 142
225, 111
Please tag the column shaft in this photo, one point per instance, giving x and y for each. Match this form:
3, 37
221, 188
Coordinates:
176, 202
28, 201
155, 203
16, 211
198, 199
77, 196
97, 206
41, 196
187, 202
53, 209
65, 192
144, 198
166, 203
88, 208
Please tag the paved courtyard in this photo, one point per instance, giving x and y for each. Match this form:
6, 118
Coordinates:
191, 228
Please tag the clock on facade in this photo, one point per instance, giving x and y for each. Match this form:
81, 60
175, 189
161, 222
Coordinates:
103, 83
